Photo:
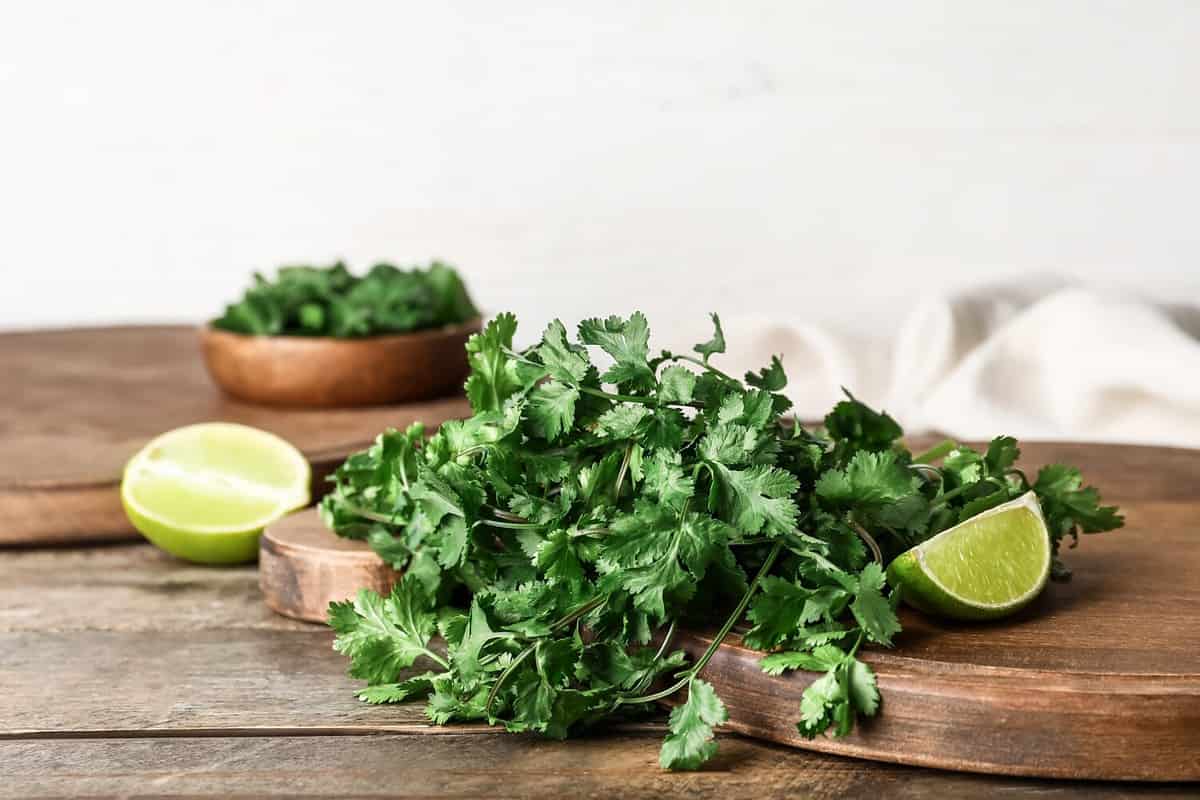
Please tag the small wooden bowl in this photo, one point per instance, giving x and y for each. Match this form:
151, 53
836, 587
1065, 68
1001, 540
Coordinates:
323, 372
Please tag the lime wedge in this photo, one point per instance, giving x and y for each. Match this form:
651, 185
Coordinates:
986, 567
205, 492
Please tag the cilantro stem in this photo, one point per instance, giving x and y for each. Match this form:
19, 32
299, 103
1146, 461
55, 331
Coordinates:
621, 473
512, 665
374, 516
403, 474
926, 469
699, 363
668, 637
730, 621
587, 607
590, 532
524, 654
512, 526
945, 497
508, 516
866, 537
619, 398
939, 450
435, 657
858, 643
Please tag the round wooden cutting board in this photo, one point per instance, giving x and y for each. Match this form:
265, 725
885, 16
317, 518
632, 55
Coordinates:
1098, 679
75, 404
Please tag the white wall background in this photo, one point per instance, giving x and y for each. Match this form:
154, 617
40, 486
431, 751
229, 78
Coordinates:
832, 162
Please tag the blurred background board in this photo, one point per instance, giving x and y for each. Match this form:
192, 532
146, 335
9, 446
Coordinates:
1098, 679
75, 404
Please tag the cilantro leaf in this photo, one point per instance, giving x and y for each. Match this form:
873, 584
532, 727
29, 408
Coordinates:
627, 341
415, 687
494, 377
677, 385
857, 427
714, 345
872, 610
770, 378
551, 409
690, 742
1070, 507
558, 531
820, 659
381, 635
330, 301
564, 361
870, 479
622, 422
1002, 453
666, 480
756, 498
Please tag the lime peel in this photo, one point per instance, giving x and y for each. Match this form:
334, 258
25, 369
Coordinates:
204, 492
986, 567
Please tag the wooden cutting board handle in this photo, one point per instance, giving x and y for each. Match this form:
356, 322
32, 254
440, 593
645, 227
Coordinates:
303, 567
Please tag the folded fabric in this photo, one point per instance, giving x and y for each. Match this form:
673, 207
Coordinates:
1038, 361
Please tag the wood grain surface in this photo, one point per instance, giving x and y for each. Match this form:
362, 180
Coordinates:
76, 404
615, 765
128, 673
1098, 678
1049, 692
303, 567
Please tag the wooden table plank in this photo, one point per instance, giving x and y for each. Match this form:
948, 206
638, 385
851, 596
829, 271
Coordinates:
202, 681
456, 766
128, 672
128, 587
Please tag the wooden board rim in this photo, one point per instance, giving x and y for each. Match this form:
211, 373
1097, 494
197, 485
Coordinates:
965, 697
968, 692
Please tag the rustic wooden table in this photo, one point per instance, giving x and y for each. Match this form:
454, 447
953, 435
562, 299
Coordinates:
124, 672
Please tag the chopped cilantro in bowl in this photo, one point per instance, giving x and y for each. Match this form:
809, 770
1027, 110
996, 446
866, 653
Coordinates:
334, 302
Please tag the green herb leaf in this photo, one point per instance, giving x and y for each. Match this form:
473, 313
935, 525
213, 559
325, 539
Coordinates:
690, 742
562, 528
330, 301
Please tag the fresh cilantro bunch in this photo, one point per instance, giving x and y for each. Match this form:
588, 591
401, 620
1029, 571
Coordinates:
331, 301
557, 538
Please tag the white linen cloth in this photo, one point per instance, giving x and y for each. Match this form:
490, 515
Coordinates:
1036, 362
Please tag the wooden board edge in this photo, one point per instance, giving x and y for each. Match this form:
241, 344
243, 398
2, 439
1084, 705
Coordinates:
999, 721
91, 513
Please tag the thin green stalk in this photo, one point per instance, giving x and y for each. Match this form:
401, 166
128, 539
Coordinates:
403, 473
866, 537
516, 662
730, 621
926, 469
644, 683
943, 498
367, 514
587, 607
939, 450
590, 532
618, 398
621, 473
699, 363
441, 661
507, 516
512, 526
473, 449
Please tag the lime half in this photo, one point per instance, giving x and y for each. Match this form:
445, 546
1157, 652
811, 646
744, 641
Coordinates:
986, 567
205, 492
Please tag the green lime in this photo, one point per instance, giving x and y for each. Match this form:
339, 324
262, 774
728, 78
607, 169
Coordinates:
205, 492
984, 568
